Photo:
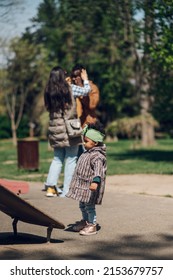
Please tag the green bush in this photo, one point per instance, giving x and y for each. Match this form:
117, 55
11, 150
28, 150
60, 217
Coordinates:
23, 130
5, 127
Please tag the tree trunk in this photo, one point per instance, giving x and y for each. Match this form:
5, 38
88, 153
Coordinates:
147, 134
147, 137
147, 131
14, 133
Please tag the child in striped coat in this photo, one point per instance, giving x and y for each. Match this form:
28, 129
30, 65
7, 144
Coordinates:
88, 182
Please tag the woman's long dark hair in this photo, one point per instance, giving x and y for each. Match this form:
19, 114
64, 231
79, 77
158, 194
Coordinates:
57, 95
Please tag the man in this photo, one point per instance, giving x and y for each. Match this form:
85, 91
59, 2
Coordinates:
86, 105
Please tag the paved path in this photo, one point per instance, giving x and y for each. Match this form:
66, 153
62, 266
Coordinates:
135, 220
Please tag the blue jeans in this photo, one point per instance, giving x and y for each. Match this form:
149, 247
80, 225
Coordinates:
67, 155
88, 212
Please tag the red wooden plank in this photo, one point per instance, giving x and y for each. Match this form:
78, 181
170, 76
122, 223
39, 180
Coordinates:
17, 187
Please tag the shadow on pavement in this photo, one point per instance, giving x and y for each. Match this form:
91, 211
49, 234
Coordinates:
8, 238
127, 247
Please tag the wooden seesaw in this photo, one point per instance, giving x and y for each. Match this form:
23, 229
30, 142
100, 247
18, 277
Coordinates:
20, 210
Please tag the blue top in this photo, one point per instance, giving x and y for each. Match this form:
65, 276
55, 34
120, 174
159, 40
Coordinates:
78, 91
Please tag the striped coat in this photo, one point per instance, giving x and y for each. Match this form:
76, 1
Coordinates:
91, 163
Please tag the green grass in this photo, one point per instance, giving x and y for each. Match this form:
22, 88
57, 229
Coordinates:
9, 163
124, 159
121, 156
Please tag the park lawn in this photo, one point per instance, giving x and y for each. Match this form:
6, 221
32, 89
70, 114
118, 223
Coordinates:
122, 158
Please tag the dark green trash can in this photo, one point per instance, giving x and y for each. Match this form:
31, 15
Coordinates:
28, 153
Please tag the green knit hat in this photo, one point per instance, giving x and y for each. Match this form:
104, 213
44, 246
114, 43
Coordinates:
93, 134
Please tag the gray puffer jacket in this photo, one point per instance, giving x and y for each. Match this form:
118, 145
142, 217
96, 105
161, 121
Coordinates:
57, 133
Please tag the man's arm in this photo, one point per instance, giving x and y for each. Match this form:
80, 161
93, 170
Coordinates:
94, 97
78, 90
91, 101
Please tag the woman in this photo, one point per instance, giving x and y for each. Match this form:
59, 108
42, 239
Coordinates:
60, 103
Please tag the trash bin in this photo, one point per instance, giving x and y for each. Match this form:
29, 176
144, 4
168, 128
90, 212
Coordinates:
28, 153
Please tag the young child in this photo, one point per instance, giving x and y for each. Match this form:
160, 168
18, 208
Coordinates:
88, 182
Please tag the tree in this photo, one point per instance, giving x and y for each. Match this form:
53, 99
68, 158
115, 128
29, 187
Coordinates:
109, 41
73, 32
148, 135
144, 66
156, 64
162, 56
24, 79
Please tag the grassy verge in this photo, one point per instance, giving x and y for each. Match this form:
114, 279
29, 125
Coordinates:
124, 159
121, 157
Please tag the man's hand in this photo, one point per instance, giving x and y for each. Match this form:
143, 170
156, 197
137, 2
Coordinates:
84, 75
93, 186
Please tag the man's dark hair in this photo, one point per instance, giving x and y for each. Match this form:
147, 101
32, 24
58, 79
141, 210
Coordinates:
78, 67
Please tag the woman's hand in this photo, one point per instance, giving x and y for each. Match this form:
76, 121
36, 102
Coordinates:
68, 80
84, 75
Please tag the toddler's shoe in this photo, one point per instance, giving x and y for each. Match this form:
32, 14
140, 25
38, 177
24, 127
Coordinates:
51, 192
89, 229
79, 226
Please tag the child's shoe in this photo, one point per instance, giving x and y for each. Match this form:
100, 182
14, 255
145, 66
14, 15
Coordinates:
51, 192
79, 226
89, 229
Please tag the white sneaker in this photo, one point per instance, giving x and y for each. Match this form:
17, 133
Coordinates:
89, 229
